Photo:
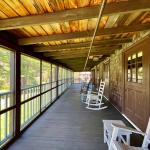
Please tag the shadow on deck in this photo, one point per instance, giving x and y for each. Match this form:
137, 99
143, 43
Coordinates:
67, 125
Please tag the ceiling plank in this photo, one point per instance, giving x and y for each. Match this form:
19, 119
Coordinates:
83, 44
74, 60
121, 7
75, 35
96, 51
71, 56
80, 55
77, 54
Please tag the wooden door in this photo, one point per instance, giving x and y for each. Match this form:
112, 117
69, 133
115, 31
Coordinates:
137, 84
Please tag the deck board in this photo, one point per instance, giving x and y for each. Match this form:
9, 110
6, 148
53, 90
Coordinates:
67, 125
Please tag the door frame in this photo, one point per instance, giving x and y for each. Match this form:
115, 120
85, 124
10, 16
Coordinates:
134, 48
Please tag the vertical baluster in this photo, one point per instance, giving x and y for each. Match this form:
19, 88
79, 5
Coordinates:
0, 119
5, 117
6, 127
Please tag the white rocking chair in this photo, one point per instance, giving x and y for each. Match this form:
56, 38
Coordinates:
94, 99
92, 94
85, 89
115, 145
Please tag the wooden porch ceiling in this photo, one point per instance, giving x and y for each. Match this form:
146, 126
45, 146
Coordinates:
62, 30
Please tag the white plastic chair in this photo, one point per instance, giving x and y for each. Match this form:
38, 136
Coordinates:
94, 99
108, 130
115, 145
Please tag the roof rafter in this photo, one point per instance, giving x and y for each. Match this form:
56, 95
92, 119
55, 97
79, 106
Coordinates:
102, 43
74, 14
71, 56
75, 35
83, 51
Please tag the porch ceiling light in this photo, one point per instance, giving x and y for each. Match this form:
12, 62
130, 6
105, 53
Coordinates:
90, 57
95, 59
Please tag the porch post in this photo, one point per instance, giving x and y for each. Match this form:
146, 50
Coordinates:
40, 85
18, 92
57, 71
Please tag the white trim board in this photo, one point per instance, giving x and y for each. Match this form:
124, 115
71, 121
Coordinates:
105, 97
136, 127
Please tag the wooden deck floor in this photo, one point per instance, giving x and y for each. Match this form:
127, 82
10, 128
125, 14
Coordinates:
67, 125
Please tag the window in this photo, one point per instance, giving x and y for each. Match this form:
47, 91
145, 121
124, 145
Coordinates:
54, 82
46, 84
135, 68
7, 99
30, 88
38, 89
59, 80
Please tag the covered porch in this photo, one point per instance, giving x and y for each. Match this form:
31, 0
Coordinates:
44, 43
68, 125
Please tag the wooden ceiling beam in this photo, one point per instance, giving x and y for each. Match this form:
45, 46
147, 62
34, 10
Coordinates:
102, 43
84, 34
72, 60
78, 63
121, 7
73, 56
79, 54
82, 51
68, 57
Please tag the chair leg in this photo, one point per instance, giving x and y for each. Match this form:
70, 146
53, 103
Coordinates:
105, 138
128, 139
114, 137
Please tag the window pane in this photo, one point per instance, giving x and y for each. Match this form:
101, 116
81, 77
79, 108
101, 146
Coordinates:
135, 67
133, 74
54, 71
46, 70
140, 67
7, 98
46, 76
54, 78
6, 126
140, 72
134, 56
46, 84
140, 54
30, 71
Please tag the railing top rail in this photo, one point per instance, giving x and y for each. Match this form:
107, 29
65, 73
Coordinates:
30, 87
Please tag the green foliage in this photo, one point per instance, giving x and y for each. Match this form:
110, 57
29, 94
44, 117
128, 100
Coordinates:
46, 72
30, 71
4, 69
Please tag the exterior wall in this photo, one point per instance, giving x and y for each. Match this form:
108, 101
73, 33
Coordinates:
137, 99
137, 103
101, 71
117, 80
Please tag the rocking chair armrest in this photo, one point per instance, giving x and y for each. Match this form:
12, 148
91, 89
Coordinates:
127, 129
93, 92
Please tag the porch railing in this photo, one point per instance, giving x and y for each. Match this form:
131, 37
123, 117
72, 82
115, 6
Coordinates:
34, 100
